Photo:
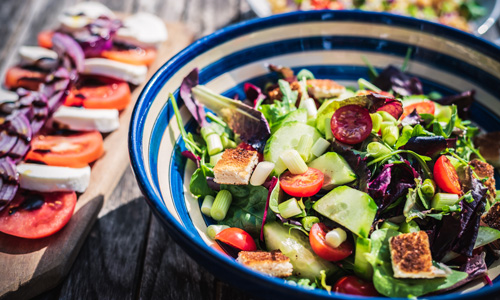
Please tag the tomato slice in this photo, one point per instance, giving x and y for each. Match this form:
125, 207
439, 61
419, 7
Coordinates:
352, 285
74, 150
99, 92
302, 185
237, 238
135, 56
17, 77
36, 215
351, 124
45, 39
366, 92
446, 176
423, 107
319, 246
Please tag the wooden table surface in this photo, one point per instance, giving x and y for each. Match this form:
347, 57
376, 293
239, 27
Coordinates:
128, 254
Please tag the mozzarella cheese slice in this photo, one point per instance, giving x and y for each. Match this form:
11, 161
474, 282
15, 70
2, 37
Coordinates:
76, 17
31, 55
115, 69
142, 29
76, 118
7, 96
44, 178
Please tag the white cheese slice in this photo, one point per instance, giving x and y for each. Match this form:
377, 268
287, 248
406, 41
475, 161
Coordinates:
44, 178
115, 69
7, 96
82, 14
31, 55
142, 29
76, 118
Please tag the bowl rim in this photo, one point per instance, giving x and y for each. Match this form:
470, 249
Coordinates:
207, 256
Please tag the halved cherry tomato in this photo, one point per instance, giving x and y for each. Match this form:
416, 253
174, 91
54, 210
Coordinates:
99, 92
74, 150
136, 56
446, 176
35, 215
45, 39
17, 77
423, 107
319, 246
237, 238
302, 185
352, 285
246, 146
351, 124
366, 92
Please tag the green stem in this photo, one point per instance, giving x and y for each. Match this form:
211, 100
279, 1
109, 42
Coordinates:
189, 144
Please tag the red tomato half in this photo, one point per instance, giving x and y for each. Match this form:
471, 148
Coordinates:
446, 176
136, 56
37, 215
423, 107
366, 92
17, 77
75, 150
45, 39
302, 185
319, 246
352, 285
237, 238
351, 124
99, 92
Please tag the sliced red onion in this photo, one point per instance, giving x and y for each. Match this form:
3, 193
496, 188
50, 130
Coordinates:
7, 141
98, 36
20, 126
9, 183
41, 114
65, 46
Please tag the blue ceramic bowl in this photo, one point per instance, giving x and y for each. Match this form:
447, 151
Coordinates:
329, 43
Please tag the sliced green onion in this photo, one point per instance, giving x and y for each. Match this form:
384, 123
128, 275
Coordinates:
363, 84
385, 124
305, 146
376, 122
390, 135
387, 116
206, 205
213, 230
428, 188
390, 225
261, 173
407, 130
206, 131
216, 119
308, 222
441, 200
215, 158
376, 149
409, 227
289, 208
328, 129
310, 105
279, 167
221, 205
214, 144
227, 143
294, 163
305, 73
320, 147
334, 238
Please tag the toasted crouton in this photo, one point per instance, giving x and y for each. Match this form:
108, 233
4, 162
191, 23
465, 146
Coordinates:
235, 166
492, 217
485, 170
272, 263
324, 88
489, 146
411, 256
276, 94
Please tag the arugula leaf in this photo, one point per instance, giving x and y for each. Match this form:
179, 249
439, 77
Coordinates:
289, 97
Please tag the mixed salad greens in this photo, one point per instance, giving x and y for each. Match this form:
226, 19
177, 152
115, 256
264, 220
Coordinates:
342, 172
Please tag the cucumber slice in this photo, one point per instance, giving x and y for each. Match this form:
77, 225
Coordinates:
299, 115
362, 267
287, 137
350, 208
336, 170
295, 245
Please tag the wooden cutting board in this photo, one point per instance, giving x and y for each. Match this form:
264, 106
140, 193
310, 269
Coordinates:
30, 267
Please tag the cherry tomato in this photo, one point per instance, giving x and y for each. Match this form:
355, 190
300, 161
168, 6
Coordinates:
366, 92
75, 150
36, 215
323, 250
237, 238
136, 56
423, 107
352, 285
45, 39
246, 146
446, 177
17, 77
302, 185
351, 124
99, 92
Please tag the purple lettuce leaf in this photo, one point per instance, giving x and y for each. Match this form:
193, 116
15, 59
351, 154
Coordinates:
394, 79
190, 155
475, 267
288, 221
194, 107
272, 184
426, 145
212, 184
383, 103
463, 101
253, 94
357, 164
412, 119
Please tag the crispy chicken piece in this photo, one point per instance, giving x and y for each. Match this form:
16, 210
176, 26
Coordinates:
272, 263
235, 166
485, 170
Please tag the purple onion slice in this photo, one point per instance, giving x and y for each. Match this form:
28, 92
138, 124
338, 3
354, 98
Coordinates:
9, 182
21, 127
66, 46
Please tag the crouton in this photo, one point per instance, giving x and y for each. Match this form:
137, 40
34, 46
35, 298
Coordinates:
272, 263
324, 88
492, 217
276, 94
489, 146
235, 166
485, 170
411, 256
